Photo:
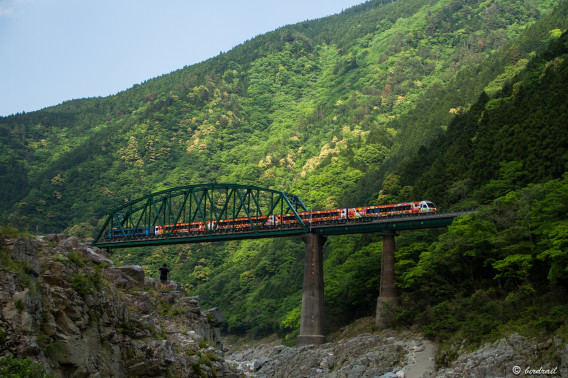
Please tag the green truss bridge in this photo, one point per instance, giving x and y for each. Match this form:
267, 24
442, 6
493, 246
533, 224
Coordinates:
217, 212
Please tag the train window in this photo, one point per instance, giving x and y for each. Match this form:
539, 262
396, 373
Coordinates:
378, 210
402, 208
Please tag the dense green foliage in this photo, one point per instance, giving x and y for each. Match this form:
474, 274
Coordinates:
503, 143
457, 101
505, 267
502, 269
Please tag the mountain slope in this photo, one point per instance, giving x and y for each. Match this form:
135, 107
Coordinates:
515, 136
289, 109
326, 109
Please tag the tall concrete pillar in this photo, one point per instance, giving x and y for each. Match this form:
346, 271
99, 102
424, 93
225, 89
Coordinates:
388, 295
312, 322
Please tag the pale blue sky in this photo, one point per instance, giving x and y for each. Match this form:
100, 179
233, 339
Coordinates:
57, 50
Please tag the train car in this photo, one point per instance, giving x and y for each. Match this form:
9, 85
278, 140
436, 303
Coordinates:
355, 213
244, 223
426, 207
229, 224
289, 220
326, 216
398, 209
180, 228
117, 233
315, 217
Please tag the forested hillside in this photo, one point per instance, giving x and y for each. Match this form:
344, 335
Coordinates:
457, 101
504, 268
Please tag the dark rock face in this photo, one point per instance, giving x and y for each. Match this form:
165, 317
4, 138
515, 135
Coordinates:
65, 305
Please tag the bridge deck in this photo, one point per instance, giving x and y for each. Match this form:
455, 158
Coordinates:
356, 226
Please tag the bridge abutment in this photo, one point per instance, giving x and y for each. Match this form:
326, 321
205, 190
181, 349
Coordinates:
312, 324
388, 295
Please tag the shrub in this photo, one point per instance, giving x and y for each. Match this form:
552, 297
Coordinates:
15, 367
19, 305
87, 283
77, 259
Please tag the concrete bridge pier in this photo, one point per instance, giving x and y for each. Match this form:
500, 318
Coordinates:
388, 296
312, 321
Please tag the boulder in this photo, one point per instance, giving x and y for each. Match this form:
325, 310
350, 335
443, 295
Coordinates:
365, 355
95, 255
55, 274
69, 244
215, 316
126, 277
135, 272
190, 303
25, 251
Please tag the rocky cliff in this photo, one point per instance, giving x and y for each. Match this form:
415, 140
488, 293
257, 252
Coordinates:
67, 307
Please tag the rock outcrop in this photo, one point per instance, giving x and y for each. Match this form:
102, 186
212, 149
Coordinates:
365, 355
514, 355
67, 307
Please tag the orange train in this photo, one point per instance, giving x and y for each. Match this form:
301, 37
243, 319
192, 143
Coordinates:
287, 220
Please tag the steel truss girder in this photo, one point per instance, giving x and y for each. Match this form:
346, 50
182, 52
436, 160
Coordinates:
205, 203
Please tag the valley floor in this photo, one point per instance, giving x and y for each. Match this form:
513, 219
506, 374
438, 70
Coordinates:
352, 352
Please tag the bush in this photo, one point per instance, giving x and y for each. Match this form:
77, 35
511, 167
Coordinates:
15, 367
87, 283
77, 259
555, 318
